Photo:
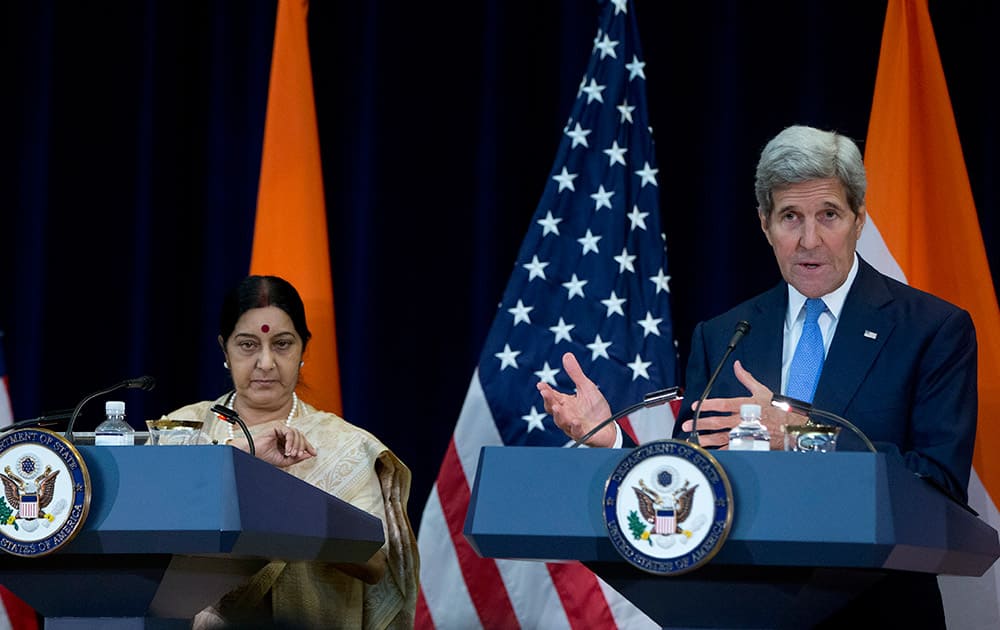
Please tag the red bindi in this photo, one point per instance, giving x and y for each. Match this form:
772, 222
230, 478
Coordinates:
265, 328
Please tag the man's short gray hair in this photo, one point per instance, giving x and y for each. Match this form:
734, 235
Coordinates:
801, 153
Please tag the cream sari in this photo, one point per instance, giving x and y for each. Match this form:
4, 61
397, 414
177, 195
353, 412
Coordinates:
352, 465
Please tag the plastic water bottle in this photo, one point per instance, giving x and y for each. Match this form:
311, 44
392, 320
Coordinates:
114, 431
749, 434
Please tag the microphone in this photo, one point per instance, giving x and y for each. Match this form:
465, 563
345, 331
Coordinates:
40, 421
144, 383
651, 399
806, 409
803, 408
229, 415
742, 329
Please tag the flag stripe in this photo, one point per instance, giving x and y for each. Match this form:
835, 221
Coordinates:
6, 411
481, 575
919, 192
535, 600
290, 230
654, 423
916, 169
13, 610
423, 614
581, 596
626, 426
443, 590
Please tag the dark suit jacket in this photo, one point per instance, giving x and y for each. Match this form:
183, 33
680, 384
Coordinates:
902, 367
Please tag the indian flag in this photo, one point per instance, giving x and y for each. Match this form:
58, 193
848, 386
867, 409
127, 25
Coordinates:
290, 232
928, 235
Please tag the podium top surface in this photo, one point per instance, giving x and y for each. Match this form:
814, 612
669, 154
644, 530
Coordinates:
846, 509
214, 499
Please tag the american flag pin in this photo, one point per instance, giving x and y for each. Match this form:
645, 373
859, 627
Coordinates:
871, 335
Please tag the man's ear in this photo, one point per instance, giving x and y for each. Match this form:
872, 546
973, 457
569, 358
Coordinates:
861, 219
763, 226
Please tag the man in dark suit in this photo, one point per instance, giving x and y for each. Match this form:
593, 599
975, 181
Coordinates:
898, 362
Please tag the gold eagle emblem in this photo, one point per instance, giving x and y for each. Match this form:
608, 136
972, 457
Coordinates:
43, 488
680, 499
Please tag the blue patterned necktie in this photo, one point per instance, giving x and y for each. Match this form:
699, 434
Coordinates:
807, 363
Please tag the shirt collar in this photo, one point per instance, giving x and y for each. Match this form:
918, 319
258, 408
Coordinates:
834, 300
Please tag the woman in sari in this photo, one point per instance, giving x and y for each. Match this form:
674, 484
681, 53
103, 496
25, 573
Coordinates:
263, 335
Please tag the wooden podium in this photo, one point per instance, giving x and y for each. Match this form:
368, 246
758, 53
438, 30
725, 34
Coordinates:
810, 531
173, 528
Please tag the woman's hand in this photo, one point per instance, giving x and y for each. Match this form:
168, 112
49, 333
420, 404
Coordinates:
578, 413
281, 446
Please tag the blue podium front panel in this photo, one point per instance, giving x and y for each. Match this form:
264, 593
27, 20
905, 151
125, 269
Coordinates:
172, 528
844, 509
215, 499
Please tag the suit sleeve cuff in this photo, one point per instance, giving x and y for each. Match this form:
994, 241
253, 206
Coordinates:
618, 437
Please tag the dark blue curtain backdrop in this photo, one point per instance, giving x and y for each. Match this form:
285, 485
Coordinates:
131, 146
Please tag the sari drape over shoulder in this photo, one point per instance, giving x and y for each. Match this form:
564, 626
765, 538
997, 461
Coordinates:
356, 467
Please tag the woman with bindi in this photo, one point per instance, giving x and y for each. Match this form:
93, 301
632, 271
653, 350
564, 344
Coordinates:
263, 335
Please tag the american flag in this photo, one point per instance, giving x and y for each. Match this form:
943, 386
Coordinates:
6, 413
591, 278
14, 612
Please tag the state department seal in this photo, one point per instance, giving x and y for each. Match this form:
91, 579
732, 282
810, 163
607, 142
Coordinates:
46, 492
668, 507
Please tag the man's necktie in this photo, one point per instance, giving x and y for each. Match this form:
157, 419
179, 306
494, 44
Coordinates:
807, 363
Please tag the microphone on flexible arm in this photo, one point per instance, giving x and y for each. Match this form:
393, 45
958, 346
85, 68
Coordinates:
144, 383
41, 421
651, 399
803, 408
806, 409
229, 415
742, 329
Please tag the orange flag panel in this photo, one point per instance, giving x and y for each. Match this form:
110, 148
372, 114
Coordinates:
920, 198
290, 233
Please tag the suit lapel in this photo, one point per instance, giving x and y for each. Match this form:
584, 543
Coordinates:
863, 329
761, 349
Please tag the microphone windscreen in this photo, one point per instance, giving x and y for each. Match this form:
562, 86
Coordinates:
225, 413
742, 328
144, 383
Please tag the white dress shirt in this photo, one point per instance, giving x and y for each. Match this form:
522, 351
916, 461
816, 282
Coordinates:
794, 319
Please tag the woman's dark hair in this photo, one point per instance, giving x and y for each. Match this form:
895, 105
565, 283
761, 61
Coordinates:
259, 292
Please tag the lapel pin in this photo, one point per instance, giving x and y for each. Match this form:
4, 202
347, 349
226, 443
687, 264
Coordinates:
871, 335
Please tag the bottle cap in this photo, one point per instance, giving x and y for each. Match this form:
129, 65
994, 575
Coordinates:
114, 408
750, 409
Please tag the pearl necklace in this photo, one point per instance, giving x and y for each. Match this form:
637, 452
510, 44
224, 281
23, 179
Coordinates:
288, 421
